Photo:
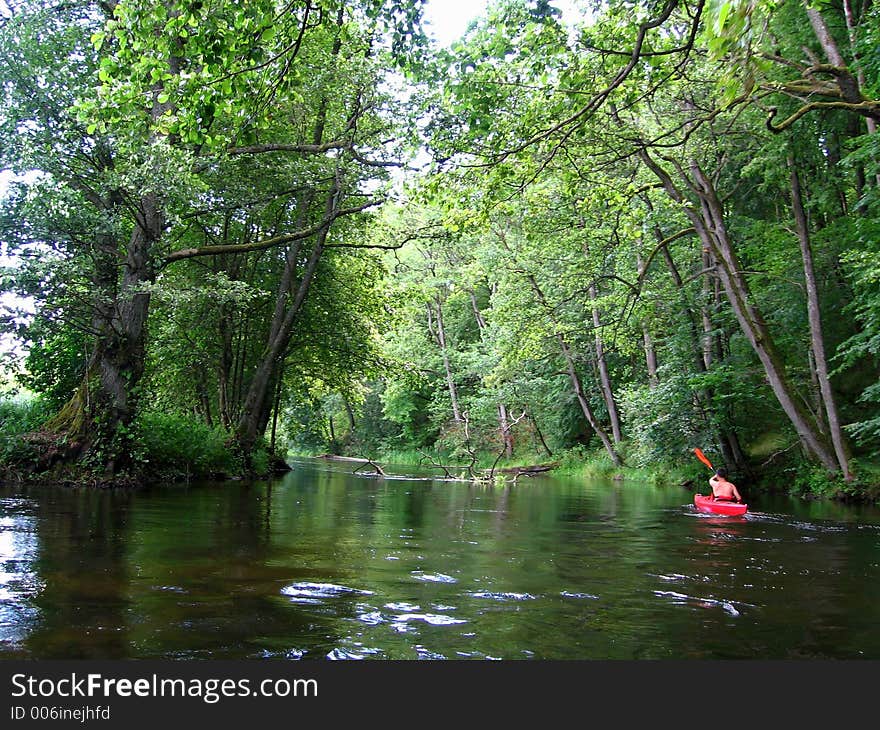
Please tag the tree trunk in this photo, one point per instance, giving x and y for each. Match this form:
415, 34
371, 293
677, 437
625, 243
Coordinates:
540, 435
650, 357
204, 401
817, 341
276, 407
98, 417
708, 220
578, 389
575, 379
602, 364
224, 370
257, 405
504, 427
478, 315
334, 445
846, 82
352, 423
705, 315
648, 344
702, 355
503, 424
291, 293
438, 330
851, 24
647, 340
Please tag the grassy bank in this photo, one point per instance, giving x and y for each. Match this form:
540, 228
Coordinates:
165, 447
797, 479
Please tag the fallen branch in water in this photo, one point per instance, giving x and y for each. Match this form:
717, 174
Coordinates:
370, 462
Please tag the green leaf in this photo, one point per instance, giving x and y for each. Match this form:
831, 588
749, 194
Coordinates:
723, 12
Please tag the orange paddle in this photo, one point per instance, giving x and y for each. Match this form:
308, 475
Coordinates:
702, 457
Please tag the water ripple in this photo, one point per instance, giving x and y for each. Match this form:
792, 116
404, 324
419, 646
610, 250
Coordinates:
569, 594
684, 599
503, 596
339, 653
672, 578
433, 577
424, 653
372, 618
402, 621
306, 592
293, 654
402, 606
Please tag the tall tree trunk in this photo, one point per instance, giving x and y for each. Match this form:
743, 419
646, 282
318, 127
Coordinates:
291, 292
504, 428
257, 404
276, 407
540, 435
851, 25
578, 389
99, 415
503, 423
846, 82
647, 340
708, 296
438, 331
602, 364
703, 397
686, 309
224, 369
710, 223
650, 356
349, 411
204, 407
575, 379
817, 341
708, 220
334, 445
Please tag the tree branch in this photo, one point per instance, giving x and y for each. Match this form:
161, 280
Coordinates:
189, 253
870, 109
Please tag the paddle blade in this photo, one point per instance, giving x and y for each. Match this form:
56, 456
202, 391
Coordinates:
702, 457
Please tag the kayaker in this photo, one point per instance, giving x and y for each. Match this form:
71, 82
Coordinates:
722, 489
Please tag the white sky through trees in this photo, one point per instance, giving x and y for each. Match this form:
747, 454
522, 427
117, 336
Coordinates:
447, 20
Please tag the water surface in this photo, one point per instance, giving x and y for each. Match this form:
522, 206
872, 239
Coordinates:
324, 563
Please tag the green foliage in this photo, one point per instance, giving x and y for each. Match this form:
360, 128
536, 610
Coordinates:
865, 344
55, 363
19, 416
175, 445
538, 239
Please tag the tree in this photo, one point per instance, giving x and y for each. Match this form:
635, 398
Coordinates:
185, 91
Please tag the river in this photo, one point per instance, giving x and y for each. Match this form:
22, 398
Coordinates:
323, 563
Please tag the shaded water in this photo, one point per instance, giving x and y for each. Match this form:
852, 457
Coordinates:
323, 563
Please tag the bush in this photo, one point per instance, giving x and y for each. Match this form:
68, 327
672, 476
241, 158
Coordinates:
179, 445
18, 416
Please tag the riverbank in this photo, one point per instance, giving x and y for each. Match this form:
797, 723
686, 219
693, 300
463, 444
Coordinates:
162, 448
792, 478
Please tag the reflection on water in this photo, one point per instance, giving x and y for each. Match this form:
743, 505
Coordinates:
19, 582
324, 564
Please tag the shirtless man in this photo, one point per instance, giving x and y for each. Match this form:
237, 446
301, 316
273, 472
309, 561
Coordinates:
723, 490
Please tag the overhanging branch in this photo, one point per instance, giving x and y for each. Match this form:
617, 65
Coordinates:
189, 253
870, 109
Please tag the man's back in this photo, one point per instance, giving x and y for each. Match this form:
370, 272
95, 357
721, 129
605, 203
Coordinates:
723, 489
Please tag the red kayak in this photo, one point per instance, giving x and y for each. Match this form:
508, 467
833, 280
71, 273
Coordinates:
719, 507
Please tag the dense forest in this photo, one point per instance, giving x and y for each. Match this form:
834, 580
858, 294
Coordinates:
598, 239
